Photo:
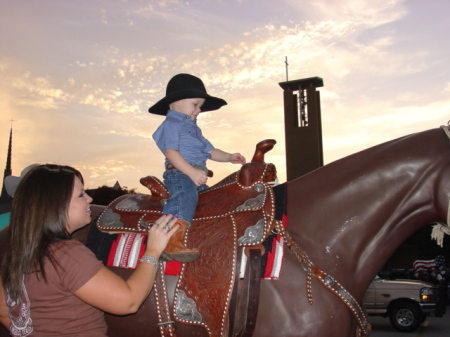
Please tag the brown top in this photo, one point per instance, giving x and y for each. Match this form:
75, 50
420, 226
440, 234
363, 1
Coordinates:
50, 308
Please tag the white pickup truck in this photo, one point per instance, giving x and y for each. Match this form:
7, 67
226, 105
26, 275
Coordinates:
405, 302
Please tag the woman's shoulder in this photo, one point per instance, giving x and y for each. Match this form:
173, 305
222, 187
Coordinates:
68, 248
73, 264
67, 245
73, 255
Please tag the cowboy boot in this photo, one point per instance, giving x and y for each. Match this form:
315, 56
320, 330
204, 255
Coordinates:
176, 249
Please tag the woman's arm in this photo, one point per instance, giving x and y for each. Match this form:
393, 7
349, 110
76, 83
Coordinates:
109, 292
4, 316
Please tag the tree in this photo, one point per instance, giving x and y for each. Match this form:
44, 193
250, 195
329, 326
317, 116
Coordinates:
104, 195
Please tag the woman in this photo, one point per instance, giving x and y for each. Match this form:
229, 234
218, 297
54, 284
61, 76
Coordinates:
53, 285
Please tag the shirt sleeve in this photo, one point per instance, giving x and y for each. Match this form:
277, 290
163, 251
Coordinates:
78, 264
209, 146
167, 136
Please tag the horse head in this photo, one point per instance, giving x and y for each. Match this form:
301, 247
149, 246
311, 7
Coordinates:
257, 169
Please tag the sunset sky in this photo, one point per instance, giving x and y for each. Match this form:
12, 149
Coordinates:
77, 77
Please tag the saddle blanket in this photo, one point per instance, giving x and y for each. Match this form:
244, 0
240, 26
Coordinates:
127, 249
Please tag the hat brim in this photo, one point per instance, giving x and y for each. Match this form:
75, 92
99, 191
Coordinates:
211, 103
11, 183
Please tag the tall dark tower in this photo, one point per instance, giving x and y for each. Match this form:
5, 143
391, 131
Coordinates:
303, 126
5, 198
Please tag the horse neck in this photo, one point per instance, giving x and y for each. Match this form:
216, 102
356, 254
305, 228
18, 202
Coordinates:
354, 213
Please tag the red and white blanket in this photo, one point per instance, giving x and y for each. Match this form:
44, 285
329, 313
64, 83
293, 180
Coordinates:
127, 250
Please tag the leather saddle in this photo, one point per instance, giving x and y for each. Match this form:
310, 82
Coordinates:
236, 212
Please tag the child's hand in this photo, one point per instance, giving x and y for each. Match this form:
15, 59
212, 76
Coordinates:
199, 177
237, 158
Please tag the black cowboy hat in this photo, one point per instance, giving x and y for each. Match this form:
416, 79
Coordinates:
183, 86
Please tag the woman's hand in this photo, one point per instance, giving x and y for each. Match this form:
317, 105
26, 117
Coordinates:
159, 235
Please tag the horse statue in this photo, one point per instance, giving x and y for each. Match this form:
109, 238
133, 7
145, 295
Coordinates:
344, 221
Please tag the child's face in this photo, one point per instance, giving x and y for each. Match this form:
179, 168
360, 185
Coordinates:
188, 106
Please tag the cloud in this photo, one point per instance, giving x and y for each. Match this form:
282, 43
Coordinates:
39, 91
83, 99
370, 13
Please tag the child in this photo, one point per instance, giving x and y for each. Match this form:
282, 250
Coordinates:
186, 150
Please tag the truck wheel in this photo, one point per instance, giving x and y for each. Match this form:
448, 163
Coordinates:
406, 316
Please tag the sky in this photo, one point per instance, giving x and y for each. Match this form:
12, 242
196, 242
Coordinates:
77, 77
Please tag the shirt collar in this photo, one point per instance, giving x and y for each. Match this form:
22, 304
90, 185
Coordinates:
180, 116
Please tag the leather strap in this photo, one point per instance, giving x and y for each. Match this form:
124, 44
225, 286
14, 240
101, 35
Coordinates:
235, 294
245, 299
166, 326
329, 282
335, 287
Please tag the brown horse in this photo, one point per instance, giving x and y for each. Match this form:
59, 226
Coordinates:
348, 217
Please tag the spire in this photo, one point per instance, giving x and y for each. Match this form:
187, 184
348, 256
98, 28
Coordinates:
5, 198
117, 186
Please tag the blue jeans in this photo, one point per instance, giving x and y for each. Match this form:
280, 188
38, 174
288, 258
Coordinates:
183, 195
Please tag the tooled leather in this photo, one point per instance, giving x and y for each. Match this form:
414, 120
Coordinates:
208, 280
131, 211
224, 213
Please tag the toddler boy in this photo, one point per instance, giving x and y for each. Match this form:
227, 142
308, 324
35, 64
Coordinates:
186, 150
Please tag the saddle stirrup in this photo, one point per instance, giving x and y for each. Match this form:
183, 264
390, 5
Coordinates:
245, 299
166, 326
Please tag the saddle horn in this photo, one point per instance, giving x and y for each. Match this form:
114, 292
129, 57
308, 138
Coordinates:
261, 148
253, 170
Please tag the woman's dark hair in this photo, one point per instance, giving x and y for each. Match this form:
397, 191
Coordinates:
38, 219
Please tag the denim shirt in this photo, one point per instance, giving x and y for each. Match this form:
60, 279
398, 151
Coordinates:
179, 132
